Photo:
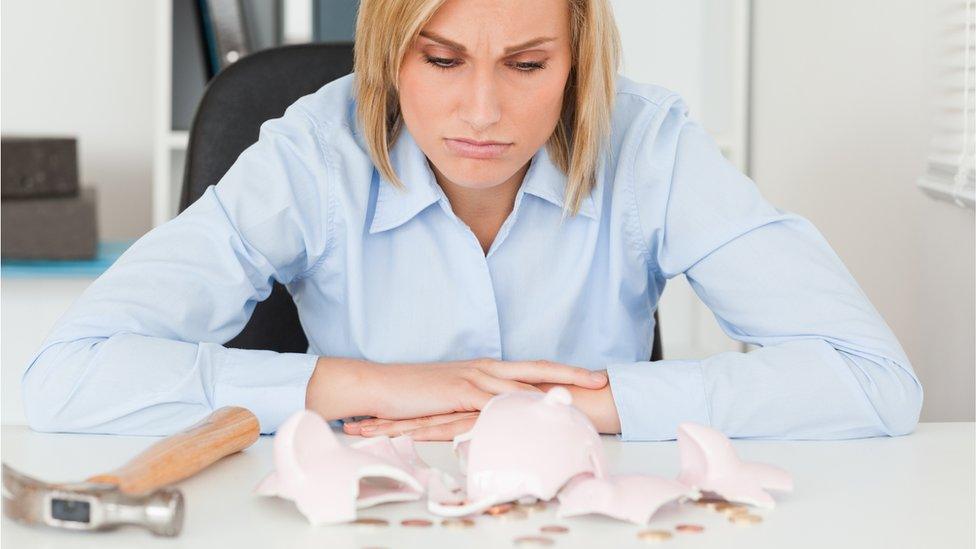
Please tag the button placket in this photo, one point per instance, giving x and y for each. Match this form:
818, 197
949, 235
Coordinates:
486, 289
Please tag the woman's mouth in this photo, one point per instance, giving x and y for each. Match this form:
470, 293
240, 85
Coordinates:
475, 149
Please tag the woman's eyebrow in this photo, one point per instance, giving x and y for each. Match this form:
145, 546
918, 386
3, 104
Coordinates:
459, 47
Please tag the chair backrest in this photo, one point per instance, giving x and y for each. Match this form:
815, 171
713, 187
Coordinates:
236, 102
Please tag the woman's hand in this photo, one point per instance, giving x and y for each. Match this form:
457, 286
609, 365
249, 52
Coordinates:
344, 387
439, 427
597, 404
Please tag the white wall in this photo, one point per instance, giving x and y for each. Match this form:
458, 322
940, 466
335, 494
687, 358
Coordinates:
85, 69
842, 95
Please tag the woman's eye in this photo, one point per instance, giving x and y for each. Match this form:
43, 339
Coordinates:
436, 61
529, 67
447, 64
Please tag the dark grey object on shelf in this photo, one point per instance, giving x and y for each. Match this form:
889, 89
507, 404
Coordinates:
189, 64
49, 228
34, 167
230, 30
334, 20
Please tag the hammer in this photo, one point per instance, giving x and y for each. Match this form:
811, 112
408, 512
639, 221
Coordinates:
135, 493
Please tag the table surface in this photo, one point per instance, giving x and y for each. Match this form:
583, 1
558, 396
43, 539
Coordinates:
911, 491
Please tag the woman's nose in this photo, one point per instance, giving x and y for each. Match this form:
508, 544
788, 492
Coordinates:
480, 104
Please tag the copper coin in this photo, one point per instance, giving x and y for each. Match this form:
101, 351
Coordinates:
690, 528
533, 507
745, 519
654, 535
514, 514
416, 522
457, 523
733, 510
454, 503
710, 502
367, 521
499, 509
554, 529
533, 541
712, 499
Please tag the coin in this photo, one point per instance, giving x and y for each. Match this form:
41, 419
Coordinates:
515, 514
653, 535
533, 541
533, 507
416, 522
745, 519
554, 529
733, 510
710, 502
690, 528
454, 503
499, 509
368, 521
457, 523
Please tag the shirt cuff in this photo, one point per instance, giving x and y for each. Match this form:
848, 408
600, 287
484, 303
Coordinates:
652, 398
271, 385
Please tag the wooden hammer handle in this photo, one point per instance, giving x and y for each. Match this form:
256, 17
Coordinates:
181, 455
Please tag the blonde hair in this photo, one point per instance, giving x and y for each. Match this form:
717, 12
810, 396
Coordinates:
386, 28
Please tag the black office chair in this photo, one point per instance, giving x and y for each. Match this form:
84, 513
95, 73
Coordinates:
257, 88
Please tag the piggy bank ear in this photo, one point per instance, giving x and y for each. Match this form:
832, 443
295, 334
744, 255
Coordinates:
704, 452
558, 395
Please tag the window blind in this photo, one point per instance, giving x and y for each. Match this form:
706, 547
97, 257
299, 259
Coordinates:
950, 171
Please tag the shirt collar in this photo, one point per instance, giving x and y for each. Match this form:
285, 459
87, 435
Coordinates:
394, 207
545, 180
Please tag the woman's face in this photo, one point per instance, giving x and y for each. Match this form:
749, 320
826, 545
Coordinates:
486, 70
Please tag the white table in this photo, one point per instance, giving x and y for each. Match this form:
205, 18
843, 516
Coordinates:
912, 491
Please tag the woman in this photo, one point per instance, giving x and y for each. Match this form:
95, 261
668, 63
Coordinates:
432, 272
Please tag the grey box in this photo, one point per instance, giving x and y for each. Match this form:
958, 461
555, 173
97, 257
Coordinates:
49, 228
34, 167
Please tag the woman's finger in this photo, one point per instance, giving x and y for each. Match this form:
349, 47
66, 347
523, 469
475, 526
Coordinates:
395, 428
544, 371
498, 385
444, 431
354, 427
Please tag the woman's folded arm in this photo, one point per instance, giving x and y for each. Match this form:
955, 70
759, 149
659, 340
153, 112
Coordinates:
828, 365
141, 350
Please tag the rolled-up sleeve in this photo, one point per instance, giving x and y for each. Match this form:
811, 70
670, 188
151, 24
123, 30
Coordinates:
827, 366
141, 350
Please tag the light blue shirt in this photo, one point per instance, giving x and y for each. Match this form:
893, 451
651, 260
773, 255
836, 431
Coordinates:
388, 276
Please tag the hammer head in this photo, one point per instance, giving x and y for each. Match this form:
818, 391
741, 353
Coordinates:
89, 506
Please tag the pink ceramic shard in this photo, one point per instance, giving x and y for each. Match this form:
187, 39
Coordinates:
709, 463
402, 452
328, 481
524, 444
626, 497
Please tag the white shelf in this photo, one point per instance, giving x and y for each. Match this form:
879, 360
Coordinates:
164, 164
178, 139
945, 191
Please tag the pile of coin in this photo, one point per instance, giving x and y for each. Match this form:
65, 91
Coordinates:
415, 522
736, 512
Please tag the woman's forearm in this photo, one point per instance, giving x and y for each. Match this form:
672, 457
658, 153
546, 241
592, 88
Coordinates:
341, 387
